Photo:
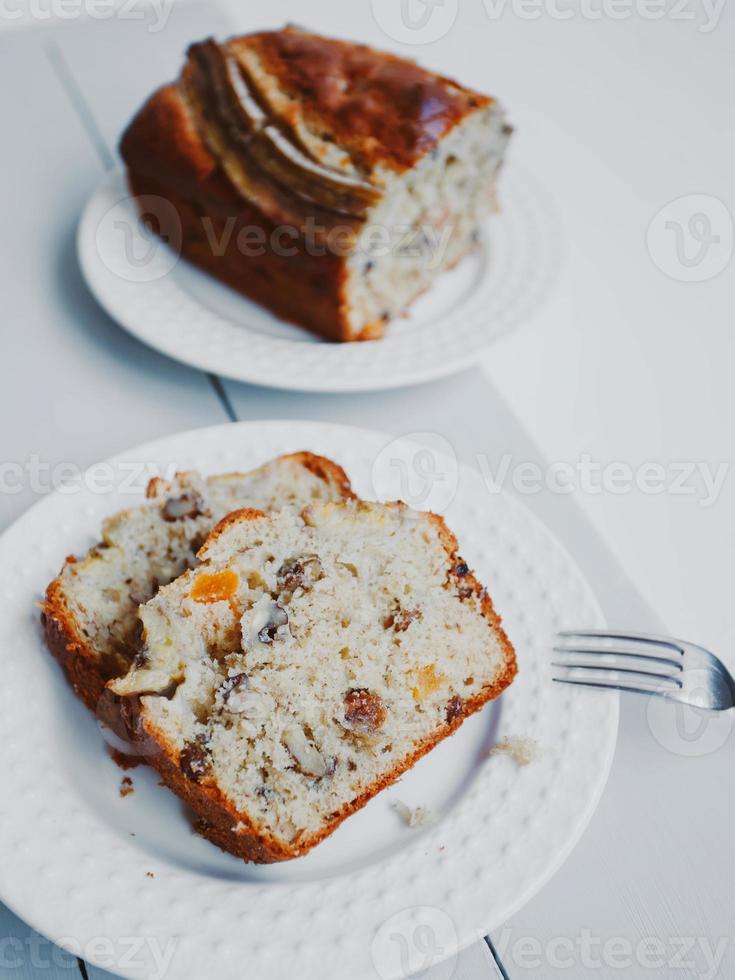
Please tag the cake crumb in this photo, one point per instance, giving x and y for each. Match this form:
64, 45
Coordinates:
123, 760
520, 748
126, 786
418, 816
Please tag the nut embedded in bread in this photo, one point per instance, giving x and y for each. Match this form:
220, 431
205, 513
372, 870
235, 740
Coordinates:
306, 663
90, 614
328, 181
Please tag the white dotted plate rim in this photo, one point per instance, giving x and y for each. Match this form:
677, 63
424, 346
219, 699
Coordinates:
190, 317
67, 874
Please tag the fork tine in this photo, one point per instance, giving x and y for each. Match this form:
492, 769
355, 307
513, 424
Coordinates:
596, 668
600, 651
646, 638
603, 685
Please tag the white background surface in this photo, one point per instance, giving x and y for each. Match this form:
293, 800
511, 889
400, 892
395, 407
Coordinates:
618, 117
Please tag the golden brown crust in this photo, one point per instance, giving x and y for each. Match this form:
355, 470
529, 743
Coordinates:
241, 514
265, 161
220, 821
163, 142
387, 110
327, 470
383, 111
302, 287
87, 672
232, 830
215, 228
217, 818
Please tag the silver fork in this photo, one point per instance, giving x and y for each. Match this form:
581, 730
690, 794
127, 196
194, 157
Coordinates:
645, 664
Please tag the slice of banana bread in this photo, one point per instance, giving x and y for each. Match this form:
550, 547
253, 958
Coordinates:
90, 615
306, 663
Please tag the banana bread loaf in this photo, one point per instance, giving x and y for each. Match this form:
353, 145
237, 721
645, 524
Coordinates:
328, 181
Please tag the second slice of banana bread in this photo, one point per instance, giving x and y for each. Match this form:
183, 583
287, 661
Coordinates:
90, 614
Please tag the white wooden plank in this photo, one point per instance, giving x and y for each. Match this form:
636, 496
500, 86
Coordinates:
26, 955
646, 891
117, 65
76, 388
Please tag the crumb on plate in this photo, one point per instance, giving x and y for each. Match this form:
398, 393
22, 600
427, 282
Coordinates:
124, 760
418, 816
126, 786
520, 748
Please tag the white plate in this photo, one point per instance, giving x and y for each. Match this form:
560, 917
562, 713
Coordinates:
124, 882
185, 313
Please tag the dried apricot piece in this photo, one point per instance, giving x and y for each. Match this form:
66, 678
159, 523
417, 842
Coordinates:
426, 681
215, 586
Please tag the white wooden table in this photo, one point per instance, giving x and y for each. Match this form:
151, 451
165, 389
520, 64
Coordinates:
624, 365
